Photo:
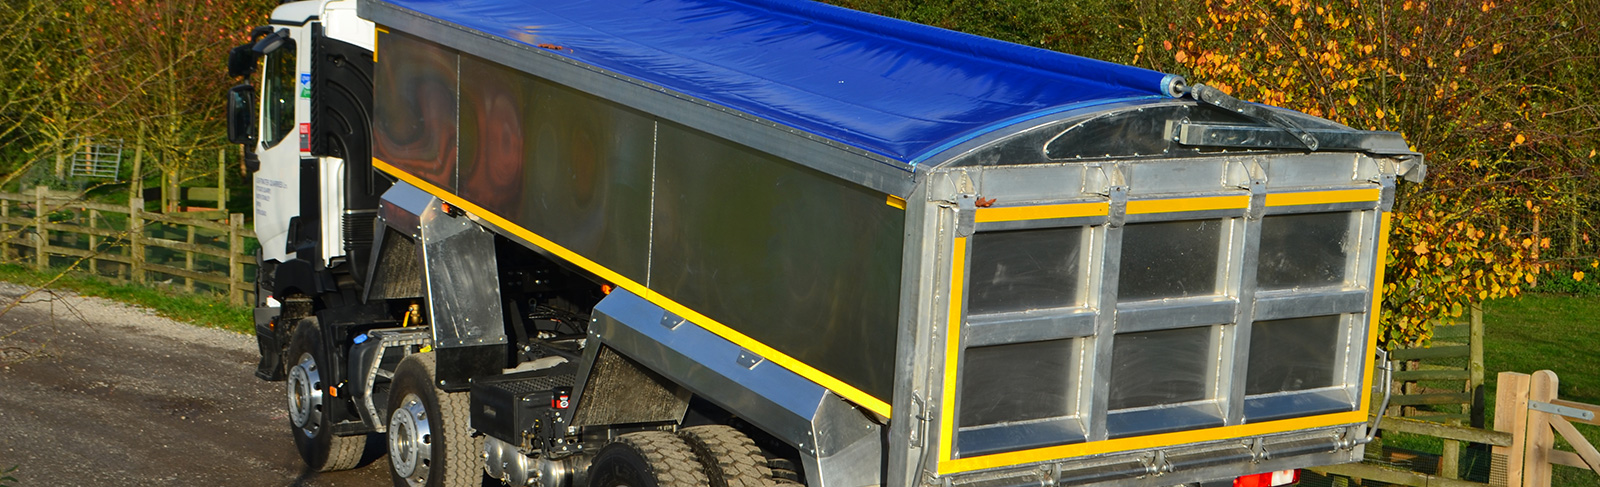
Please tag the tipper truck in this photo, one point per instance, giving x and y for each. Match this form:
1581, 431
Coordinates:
762, 242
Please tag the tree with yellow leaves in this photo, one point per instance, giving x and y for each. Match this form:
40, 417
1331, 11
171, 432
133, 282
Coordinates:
1496, 95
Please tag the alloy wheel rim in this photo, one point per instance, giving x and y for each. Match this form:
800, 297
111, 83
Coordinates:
305, 396
411, 441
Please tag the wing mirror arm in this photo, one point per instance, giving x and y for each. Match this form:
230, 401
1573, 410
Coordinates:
271, 42
242, 58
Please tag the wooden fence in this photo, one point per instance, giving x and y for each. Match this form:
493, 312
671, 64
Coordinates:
1443, 382
53, 229
1528, 415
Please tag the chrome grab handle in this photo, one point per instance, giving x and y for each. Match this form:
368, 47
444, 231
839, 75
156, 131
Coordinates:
1388, 388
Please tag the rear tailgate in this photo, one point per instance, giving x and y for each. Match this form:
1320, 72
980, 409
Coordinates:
1177, 320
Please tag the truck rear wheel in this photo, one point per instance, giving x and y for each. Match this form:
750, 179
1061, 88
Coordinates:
784, 471
646, 459
310, 420
429, 441
731, 458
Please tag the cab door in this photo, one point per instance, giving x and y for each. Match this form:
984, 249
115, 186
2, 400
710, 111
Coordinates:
284, 140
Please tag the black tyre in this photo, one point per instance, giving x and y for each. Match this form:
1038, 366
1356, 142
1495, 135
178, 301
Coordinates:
646, 459
430, 444
784, 471
310, 405
731, 458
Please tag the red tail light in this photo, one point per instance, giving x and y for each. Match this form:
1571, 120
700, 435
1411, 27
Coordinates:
1268, 479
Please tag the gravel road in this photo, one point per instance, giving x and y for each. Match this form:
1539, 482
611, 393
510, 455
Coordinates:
95, 392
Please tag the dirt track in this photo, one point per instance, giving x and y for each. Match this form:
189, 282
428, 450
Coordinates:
94, 392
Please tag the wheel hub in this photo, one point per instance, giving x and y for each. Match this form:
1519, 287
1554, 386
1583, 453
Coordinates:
305, 396
411, 441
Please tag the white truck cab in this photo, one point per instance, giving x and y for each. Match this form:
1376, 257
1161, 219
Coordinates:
279, 141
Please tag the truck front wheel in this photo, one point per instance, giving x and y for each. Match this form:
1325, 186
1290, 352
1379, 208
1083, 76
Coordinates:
429, 441
309, 405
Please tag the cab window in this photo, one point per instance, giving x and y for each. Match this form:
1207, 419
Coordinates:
277, 105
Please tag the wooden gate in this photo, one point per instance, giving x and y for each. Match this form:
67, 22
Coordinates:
1528, 408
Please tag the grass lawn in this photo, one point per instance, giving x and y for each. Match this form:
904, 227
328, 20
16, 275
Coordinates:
201, 309
1554, 332
1541, 331
1535, 332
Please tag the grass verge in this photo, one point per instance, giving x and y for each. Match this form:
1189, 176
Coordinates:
207, 310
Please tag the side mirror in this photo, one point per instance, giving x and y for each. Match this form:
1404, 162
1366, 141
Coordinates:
242, 60
242, 115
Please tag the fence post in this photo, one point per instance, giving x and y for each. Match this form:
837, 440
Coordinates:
41, 259
167, 188
1541, 439
5, 228
1475, 364
1511, 416
94, 243
1396, 410
235, 268
136, 188
222, 180
1450, 457
61, 172
188, 261
136, 238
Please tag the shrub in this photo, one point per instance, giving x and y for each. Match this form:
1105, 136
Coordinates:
1493, 94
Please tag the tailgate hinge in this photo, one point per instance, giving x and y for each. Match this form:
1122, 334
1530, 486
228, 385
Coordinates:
1215, 97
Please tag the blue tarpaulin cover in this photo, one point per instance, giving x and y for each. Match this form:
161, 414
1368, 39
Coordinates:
895, 88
